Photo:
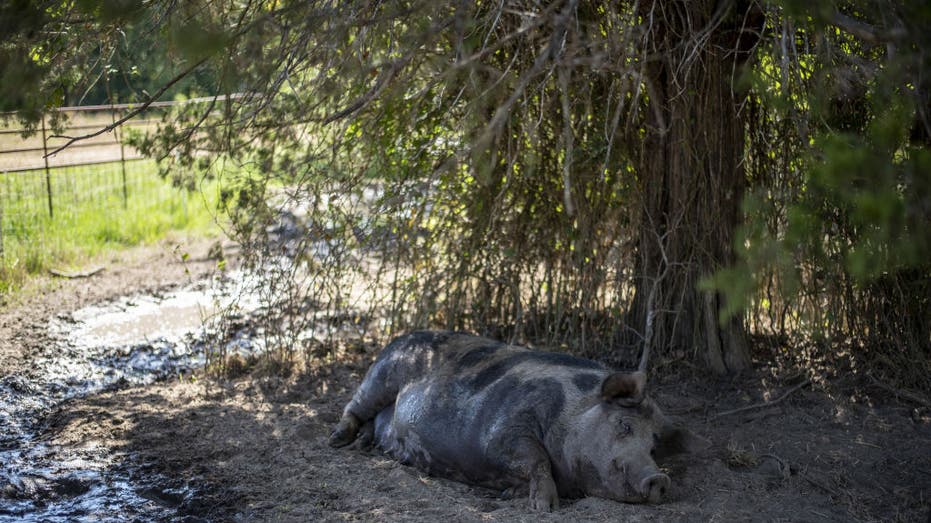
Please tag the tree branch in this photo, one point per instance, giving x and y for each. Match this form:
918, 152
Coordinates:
386, 76
865, 31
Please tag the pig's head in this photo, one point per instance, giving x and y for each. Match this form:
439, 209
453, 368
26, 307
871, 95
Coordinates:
610, 449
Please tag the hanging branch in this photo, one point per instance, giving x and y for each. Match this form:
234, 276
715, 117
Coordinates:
651, 300
145, 105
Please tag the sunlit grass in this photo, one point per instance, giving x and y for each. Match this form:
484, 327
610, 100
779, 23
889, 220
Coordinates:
92, 216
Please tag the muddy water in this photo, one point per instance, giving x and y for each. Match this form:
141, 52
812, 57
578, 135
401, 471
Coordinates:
133, 341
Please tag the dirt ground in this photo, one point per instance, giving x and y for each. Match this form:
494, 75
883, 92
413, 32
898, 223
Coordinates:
255, 447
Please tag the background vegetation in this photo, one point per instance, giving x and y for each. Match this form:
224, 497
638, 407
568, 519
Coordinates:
733, 179
91, 218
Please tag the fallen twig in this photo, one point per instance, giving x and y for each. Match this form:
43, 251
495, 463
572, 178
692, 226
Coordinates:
917, 398
763, 404
820, 485
76, 274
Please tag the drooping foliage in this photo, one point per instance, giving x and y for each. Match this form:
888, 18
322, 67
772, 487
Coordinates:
834, 249
564, 173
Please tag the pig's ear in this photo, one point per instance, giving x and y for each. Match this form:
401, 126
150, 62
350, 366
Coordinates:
624, 388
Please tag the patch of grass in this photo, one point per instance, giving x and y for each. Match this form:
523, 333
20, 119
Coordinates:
739, 457
93, 213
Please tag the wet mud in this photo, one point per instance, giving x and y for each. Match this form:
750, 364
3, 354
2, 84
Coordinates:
129, 342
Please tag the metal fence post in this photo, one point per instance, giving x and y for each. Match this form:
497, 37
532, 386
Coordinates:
118, 134
48, 174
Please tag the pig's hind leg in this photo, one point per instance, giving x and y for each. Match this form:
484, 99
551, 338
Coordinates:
360, 412
379, 390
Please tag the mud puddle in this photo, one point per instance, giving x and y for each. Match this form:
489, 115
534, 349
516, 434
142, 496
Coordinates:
130, 342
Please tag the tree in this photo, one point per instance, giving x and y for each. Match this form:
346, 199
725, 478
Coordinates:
690, 168
545, 169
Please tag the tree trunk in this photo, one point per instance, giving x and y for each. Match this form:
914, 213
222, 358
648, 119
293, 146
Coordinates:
691, 176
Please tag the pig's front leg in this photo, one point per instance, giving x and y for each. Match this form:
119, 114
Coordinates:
532, 465
543, 494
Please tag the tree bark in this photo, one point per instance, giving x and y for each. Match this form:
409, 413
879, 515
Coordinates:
690, 174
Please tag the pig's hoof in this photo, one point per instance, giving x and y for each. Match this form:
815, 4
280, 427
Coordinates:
544, 497
339, 439
344, 433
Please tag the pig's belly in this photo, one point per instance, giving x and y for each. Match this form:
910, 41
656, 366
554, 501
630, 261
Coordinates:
446, 431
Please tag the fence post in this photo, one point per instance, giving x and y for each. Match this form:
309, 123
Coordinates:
1, 223
48, 174
118, 134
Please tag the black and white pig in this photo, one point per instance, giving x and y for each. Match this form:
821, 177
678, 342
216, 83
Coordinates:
482, 412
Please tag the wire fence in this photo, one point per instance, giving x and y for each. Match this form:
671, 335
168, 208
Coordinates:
39, 189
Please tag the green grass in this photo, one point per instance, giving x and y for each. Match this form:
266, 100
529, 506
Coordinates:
90, 216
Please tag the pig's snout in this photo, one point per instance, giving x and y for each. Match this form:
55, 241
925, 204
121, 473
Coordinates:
654, 487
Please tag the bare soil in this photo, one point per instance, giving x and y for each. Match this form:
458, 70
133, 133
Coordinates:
255, 446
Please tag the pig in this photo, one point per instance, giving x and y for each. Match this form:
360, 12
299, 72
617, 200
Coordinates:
486, 413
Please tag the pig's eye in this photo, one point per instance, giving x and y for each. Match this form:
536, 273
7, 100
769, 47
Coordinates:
623, 428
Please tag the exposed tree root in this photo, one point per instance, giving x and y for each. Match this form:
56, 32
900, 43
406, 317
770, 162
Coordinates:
763, 404
916, 398
76, 274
